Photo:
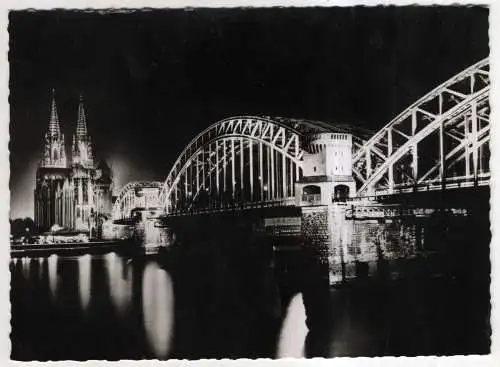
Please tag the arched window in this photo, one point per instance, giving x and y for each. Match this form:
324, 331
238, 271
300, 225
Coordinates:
311, 194
311, 189
340, 193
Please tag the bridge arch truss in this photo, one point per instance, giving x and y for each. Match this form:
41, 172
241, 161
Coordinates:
439, 142
236, 161
131, 197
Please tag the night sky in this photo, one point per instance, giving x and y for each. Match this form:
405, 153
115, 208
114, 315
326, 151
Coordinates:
152, 80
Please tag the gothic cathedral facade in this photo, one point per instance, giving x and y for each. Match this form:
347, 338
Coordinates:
72, 192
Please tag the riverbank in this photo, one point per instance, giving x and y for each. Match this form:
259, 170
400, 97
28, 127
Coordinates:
71, 248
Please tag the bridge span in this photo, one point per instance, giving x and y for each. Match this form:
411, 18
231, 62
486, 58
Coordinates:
441, 142
334, 174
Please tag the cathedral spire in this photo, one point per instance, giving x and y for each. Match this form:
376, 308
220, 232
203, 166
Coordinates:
54, 128
81, 125
82, 146
54, 154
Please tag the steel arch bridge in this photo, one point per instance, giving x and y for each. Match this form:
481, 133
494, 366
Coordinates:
245, 161
136, 195
439, 142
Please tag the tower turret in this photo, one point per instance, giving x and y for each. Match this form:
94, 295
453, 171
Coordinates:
327, 172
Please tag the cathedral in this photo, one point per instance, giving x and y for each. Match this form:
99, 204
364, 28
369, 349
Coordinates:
73, 191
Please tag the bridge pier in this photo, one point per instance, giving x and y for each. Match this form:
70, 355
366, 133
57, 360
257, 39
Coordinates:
374, 239
327, 234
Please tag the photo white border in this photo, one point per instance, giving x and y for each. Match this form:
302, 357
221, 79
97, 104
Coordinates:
491, 360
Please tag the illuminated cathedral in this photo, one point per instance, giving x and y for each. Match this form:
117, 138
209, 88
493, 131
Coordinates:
73, 191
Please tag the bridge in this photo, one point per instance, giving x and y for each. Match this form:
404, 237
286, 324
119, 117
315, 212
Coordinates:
137, 197
441, 142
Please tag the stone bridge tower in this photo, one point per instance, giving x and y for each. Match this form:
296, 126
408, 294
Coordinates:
327, 172
321, 192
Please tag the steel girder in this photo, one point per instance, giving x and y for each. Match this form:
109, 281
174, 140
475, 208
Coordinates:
126, 198
440, 140
236, 156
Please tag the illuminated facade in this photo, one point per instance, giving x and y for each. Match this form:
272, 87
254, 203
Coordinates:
327, 174
73, 192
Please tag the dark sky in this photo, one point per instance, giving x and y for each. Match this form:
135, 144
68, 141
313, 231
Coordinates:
154, 79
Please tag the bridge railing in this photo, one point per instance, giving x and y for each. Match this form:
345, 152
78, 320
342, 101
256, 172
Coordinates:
457, 182
394, 211
311, 199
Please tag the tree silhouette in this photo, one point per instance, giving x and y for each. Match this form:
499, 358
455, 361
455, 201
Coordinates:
22, 227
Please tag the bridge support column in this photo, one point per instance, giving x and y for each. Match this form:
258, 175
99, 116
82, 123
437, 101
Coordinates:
327, 235
261, 172
272, 188
242, 171
391, 168
233, 179
250, 155
474, 137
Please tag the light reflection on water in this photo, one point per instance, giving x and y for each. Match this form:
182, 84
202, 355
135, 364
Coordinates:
84, 278
40, 267
293, 330
120, 281
26, 267
131, 300
157, 289
158, 308
53, 276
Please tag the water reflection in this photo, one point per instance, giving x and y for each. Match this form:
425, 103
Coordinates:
26, 267
244, 301
84, 278
294, 330
53, 276
158, 308
120, 279
40, 267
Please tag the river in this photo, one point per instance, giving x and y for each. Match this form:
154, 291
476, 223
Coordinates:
241, 300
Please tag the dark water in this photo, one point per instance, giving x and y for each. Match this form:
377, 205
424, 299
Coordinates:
241, 299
